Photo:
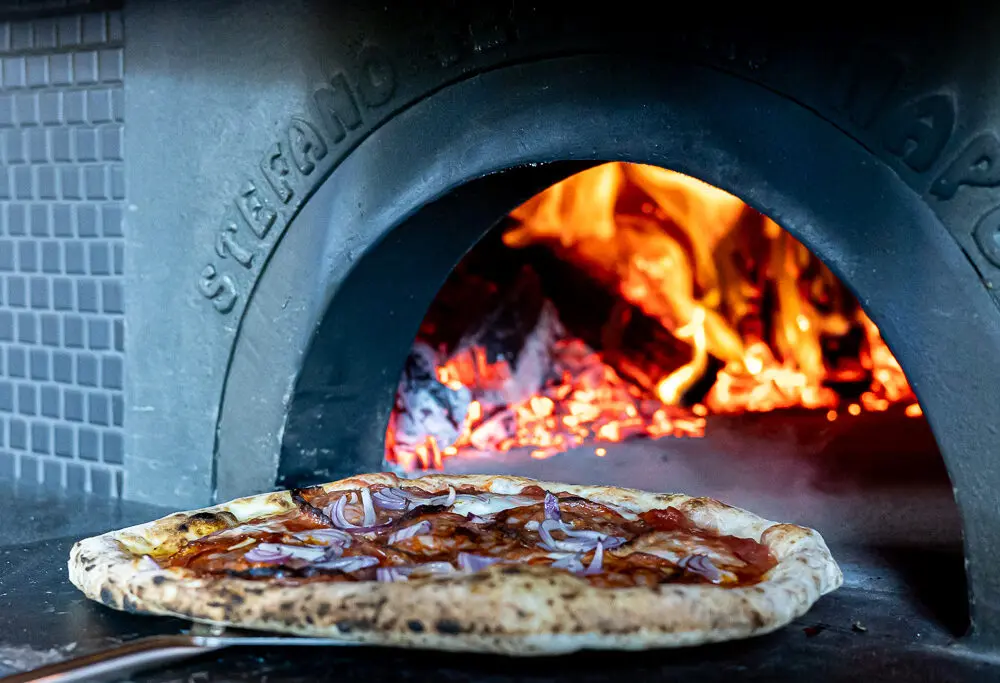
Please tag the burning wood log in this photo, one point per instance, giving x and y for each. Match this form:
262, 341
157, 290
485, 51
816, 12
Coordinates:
635, 344
425, 407
506, 355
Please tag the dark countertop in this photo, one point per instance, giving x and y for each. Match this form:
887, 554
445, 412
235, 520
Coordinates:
907, 601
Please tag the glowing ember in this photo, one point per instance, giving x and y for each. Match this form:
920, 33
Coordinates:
583, 400
750, 304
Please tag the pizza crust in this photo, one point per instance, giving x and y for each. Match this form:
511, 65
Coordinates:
517, 610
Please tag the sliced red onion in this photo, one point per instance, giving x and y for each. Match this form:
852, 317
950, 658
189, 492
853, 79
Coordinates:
417, 499
267, 553
468, 562
702, 566
551, 507
531, 525
147, 564
348, 564
577, 540
366, 503
390, 499
279, 552
569, 545
433, 568
389, 574
476, 519
597, 563
421, 527
325, 537
569, 562
610, 542
335, 512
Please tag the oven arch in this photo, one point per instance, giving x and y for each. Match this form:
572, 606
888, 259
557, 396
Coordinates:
910, 274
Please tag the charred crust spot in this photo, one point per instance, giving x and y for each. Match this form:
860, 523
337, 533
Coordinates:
521, 614
415, 625
550, 602
756, 619
159, 579
129, 605
203, 517
107, 597
310, 620
448, 626
323, 609
183, 528
287, 606
511, 570
348, 625
570, 596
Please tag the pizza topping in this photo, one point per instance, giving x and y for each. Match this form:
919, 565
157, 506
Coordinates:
598, 562
397, 534
347, 564
551, 506
324, 537
421, 527
391, 498
468, 562
369, 508
336, 513
147, 564
702, 566
392, 574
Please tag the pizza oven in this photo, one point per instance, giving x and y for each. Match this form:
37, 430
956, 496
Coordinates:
640, 248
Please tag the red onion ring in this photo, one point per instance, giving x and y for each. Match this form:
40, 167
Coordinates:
577, 540
366, 503
147, 564
551, 506
348, 564
335, 512
570, 563
702, 566
421, 527
597, 563
325, 537
272, 553
468, 562
390, 499
267, 553
390, 574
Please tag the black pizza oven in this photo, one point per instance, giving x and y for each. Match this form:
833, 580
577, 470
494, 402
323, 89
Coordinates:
299, 179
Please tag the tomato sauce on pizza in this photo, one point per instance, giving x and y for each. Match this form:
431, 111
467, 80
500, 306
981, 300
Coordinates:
382, 533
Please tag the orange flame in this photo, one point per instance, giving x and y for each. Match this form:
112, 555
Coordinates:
740, 291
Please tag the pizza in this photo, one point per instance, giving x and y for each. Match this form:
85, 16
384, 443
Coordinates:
475, 563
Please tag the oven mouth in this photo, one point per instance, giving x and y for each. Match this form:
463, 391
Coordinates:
557, 348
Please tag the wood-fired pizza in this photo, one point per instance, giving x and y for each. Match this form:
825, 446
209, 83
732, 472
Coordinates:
475, 563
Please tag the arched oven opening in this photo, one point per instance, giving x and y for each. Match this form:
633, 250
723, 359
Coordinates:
629, 325
634, 326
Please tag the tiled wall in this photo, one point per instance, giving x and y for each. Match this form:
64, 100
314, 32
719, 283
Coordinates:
61, 250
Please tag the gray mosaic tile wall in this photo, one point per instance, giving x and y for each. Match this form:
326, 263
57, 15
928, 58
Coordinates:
61, 250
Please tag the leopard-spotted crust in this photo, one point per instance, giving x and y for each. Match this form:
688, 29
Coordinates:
505, 609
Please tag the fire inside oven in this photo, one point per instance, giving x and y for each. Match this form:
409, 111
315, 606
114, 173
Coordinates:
629, 302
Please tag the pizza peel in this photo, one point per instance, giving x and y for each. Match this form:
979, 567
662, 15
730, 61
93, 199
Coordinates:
143, 653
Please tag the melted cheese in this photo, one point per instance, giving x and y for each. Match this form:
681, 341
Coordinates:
475, 505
